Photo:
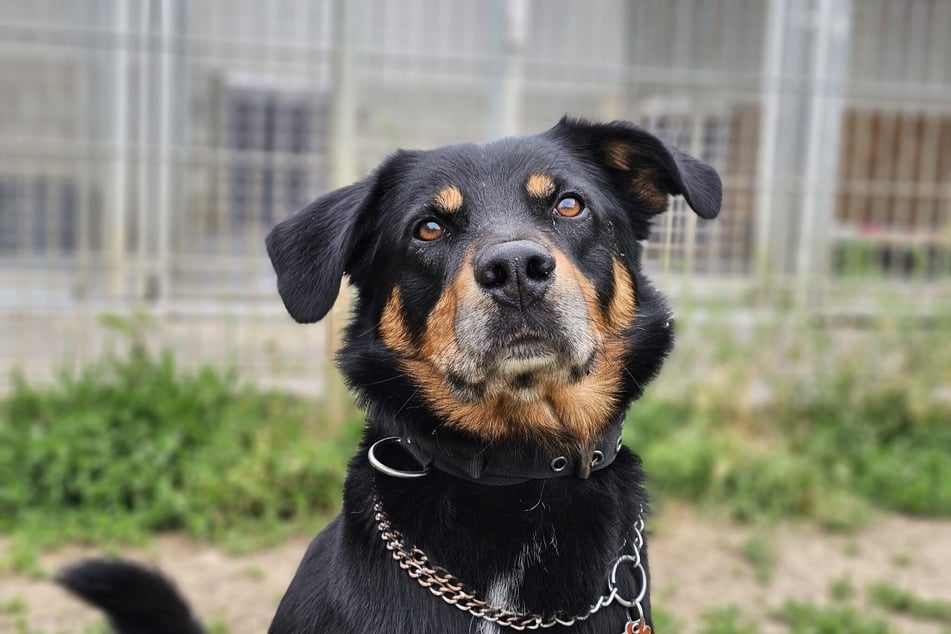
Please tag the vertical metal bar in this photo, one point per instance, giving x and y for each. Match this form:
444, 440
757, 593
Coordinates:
829, 71
345, 92
690, 225
143, 153
769, 128
506, 80
346, 16
120, 105
165, 157
87, 75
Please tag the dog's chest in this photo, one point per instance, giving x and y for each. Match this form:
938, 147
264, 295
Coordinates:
503, 591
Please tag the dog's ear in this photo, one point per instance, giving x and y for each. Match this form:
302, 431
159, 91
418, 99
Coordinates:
643, 166
310, 249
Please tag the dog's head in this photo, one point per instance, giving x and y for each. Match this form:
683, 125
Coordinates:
499, 291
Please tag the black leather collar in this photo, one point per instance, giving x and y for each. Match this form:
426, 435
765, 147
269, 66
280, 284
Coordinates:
487, 464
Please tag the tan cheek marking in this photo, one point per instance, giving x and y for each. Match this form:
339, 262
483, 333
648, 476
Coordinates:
393, 330
439, 345
440, 335
449, 199
623, 304
540, 186
590, 293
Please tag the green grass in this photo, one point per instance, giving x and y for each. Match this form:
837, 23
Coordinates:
893, 598
761, 555
846, 428
16, 605
841, 588
727, 620
134, 445
806, 618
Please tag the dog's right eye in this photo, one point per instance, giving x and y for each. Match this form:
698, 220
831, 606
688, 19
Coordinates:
429, 230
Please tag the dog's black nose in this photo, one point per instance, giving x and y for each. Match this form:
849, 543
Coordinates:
516, 273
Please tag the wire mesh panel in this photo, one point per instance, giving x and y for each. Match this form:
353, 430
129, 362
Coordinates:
147, 146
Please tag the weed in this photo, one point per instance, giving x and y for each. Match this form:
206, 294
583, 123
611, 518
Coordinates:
16, 605
218, 626
134, 444
761, 555
664, 621
841, 588
895, 599
805, 618
727, 620
23, 557
842, 431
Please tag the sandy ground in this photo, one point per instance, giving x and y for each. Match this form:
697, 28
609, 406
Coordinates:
697, 564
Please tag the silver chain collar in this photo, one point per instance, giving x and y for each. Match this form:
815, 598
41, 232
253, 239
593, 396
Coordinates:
443, 584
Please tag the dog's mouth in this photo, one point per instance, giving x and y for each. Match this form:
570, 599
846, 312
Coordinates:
526, 355
522, 366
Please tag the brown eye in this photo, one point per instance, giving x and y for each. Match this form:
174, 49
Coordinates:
569, 206
429, 230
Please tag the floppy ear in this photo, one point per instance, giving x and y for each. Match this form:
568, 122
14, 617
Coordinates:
310, 250
642, 165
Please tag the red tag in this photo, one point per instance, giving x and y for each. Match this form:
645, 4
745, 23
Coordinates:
641, 628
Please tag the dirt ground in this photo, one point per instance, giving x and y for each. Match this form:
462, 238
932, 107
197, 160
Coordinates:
697, 564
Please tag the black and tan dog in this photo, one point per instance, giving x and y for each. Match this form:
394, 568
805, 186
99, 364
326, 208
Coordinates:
502, 327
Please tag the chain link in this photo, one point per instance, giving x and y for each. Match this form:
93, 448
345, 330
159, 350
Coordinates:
442, 584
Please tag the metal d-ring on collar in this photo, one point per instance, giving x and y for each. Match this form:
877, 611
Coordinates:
388, 470
481, 463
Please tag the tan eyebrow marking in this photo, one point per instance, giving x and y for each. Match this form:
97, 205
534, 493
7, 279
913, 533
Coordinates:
449, 199
540, 186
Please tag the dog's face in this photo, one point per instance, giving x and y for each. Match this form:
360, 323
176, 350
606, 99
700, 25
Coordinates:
499, 288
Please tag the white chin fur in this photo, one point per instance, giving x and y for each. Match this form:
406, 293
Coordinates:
526, 365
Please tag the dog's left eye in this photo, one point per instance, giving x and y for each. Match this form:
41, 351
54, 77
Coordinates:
429, 230
569, 206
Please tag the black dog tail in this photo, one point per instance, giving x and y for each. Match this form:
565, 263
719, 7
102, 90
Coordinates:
136, 600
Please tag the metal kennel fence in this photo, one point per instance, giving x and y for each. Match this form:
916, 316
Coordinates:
147, 145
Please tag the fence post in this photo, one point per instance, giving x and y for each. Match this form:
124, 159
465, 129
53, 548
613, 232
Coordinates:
804, 77
767, 188
830, 26
343, 172
506, 78
116, 226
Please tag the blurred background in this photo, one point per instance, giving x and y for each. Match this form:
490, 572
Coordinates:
148, 146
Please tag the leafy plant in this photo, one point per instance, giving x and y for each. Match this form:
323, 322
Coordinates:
806, 618
134, 444
727, 620
799, 424
895, 599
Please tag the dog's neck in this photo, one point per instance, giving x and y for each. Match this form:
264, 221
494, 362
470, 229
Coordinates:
546, 543
496, 464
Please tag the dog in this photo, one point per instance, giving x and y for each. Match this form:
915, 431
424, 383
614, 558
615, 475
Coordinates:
502, 325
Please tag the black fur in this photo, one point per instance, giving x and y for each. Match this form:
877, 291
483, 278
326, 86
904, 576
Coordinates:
136, 600
573, 528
